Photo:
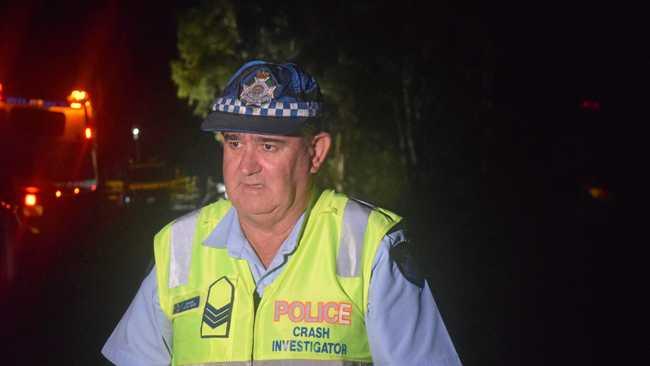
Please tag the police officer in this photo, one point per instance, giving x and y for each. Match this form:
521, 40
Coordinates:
281, 273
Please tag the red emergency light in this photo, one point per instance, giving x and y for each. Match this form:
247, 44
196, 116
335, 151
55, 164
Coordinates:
31, 206
88, 132
30, 199
30, 196
78, 98
590, 105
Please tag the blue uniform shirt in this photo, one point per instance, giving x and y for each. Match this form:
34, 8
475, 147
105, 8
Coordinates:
403, 322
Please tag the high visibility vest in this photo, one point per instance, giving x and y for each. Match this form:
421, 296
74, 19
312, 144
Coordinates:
312, 313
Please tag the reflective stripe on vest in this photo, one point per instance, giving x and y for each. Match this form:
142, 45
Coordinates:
355, 221
181, 248
286, 363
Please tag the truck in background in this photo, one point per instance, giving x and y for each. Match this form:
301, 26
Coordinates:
48, 166
154, 183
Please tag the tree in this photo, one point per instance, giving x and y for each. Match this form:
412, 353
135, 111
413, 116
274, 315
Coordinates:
208, 40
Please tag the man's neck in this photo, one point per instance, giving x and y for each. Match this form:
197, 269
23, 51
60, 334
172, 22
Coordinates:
266, 236
266, 243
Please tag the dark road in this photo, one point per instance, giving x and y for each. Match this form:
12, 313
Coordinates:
68, 293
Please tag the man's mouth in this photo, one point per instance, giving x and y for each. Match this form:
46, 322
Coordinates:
252, 185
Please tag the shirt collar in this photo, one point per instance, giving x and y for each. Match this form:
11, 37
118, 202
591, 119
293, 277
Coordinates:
228, 235
218, 236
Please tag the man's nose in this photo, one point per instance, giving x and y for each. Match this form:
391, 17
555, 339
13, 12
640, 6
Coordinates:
249, 164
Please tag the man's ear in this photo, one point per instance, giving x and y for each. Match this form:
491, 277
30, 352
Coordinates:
320, 146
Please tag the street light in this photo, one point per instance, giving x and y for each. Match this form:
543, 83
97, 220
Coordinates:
135, 132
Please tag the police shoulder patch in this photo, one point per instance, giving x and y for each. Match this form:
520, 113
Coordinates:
402, 253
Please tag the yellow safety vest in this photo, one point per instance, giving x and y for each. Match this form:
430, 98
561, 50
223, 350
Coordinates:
312, 313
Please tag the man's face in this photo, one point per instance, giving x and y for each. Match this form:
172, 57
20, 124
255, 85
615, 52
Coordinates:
266, 175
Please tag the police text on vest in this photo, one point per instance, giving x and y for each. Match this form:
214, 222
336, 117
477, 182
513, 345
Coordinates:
309, 312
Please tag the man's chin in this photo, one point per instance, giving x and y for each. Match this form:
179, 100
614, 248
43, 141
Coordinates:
253, 209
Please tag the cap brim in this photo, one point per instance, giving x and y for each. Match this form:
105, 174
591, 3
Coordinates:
229, 122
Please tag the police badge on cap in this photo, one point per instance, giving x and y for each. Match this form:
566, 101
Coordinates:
268, 98
260, 91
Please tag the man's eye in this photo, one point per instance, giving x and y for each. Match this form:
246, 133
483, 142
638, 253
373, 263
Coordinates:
234, 144
269, 147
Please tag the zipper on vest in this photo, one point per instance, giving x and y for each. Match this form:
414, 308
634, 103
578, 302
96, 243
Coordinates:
256, 303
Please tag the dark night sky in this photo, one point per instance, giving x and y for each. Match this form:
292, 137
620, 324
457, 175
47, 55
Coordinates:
50, 48
549, 56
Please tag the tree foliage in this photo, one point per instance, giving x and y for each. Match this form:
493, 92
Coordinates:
208, 39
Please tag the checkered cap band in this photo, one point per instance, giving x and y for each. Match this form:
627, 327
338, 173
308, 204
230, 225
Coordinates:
271, 109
